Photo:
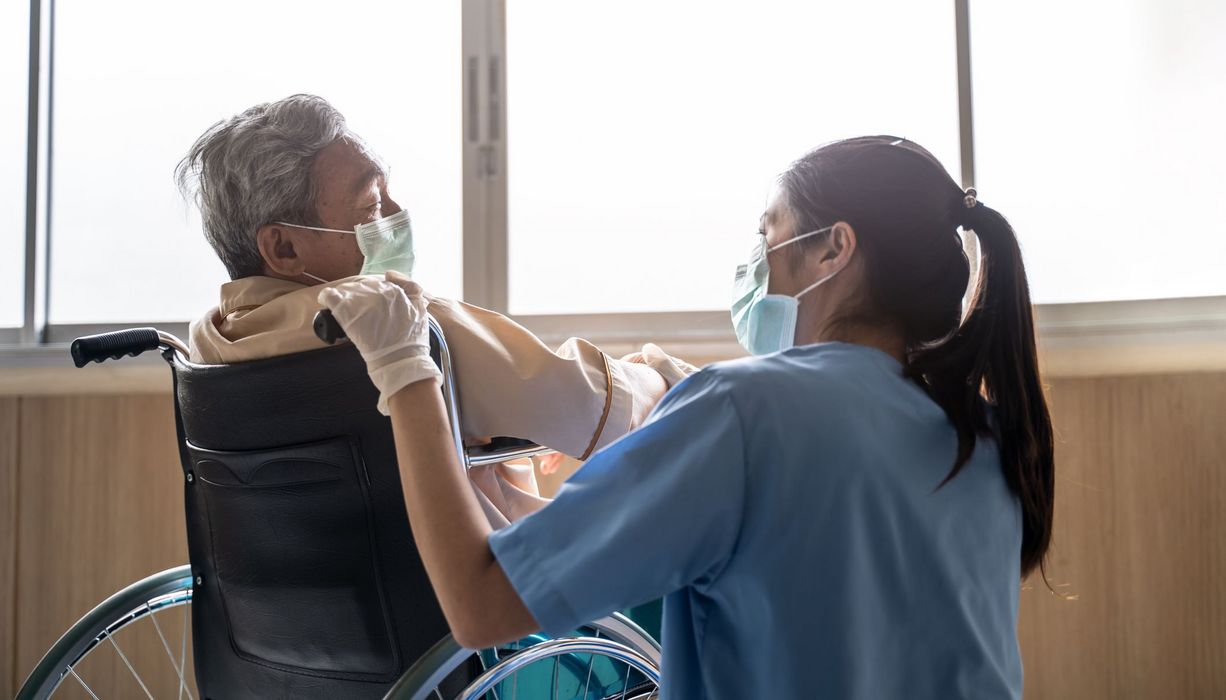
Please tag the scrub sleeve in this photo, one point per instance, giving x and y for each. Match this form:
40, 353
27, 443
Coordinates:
656, 511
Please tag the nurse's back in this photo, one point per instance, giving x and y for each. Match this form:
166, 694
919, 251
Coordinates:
852, 569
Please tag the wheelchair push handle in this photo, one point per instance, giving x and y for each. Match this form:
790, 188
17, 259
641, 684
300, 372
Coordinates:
327, 328
114, 345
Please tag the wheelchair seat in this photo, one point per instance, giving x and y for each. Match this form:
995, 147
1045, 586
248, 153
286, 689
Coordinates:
307, 581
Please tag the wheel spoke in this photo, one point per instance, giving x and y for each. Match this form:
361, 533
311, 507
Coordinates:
129, 665
170, 655
84, 685
591, 661
494, 691
557, 661
183, 652
494, 652
626, 685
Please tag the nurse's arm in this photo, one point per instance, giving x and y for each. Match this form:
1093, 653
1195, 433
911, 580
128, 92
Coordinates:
451, 531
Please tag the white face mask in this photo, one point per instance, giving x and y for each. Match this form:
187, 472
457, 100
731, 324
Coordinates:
766, 323
386, 244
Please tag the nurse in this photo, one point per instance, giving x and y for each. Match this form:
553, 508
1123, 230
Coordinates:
847, 514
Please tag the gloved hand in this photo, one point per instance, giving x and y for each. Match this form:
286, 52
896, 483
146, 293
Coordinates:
669, 367
386, 320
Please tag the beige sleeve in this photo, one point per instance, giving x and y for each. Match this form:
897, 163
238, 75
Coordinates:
574, 400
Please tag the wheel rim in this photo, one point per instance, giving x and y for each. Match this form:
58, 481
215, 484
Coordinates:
138, 639
553, 654
423, 680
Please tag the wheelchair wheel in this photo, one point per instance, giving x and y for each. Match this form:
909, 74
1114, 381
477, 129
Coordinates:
139, 639
611, 658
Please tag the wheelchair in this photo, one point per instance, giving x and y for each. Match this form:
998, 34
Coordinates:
303, 580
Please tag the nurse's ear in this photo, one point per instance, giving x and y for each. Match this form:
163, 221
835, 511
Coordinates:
836, 251
279, 247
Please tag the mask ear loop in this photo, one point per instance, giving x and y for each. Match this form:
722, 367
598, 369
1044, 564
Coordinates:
315, 228
797, 238
818, 283
821, 281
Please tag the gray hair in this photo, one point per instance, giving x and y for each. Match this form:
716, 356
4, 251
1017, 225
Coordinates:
255, 168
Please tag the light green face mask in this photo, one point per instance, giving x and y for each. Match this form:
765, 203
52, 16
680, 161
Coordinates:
766, 323
386, 244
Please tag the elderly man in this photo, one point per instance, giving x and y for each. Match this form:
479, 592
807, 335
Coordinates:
271, 181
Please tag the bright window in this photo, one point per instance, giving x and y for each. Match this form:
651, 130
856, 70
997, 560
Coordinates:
14, 84
1098, 133
130, 100
645, 136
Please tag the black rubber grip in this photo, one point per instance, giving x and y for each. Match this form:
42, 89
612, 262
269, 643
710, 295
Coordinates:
112, 346
327, 328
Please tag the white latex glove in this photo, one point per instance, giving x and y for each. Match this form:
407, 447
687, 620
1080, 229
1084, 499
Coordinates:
669, 367
386, 320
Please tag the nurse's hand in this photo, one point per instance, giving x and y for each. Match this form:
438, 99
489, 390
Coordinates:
670, 368
549, 463
386, 319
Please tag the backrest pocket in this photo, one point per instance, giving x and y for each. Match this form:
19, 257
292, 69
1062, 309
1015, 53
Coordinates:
291, 537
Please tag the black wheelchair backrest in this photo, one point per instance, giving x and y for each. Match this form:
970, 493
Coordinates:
308, 584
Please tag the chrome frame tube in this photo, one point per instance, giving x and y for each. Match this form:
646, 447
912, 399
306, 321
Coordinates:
449, 391
506, 455
171, 342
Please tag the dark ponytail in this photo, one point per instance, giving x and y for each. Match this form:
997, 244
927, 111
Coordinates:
993, 353
905, 210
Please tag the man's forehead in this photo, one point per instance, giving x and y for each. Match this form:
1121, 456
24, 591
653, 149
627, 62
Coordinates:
348, 166
373, 161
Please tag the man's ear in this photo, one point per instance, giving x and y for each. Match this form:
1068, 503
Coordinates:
276, 244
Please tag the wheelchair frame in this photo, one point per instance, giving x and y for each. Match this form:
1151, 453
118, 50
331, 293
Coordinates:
615, 637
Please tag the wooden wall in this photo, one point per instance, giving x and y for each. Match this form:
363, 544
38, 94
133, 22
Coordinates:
99, 504
1140, 542
8, 543
91, 499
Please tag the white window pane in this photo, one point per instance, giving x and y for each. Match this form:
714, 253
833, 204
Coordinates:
14, 76
1098, 133
130, 101
644, 136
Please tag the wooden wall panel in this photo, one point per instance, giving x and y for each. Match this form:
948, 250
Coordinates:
101, 505
8, 543
1140, 540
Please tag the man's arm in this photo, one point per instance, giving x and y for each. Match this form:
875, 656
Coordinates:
574, 399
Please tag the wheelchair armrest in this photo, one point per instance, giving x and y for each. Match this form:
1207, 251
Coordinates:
503, 449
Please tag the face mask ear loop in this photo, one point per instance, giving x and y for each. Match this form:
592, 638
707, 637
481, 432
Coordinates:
314, 228
797, 238
818, 283
318, 279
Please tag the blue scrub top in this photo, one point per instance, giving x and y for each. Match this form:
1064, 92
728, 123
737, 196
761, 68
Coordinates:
786, 507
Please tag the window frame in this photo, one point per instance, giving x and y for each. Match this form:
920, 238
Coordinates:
485, 248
